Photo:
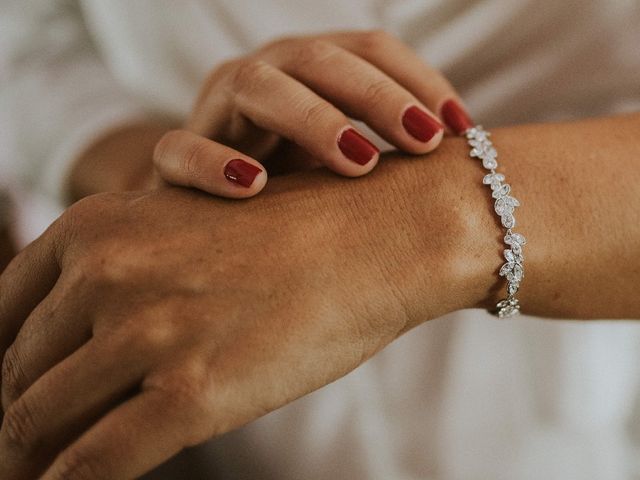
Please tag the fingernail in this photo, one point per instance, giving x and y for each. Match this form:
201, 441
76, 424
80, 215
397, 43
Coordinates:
419, 124
241, 172
456, 117
357, 148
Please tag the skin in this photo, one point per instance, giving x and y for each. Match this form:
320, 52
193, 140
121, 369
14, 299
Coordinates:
153, 321
281, 108
7, 248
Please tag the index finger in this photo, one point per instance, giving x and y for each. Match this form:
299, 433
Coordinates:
406, 67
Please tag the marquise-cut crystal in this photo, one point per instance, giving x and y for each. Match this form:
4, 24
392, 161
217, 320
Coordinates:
493, 179
489, 151
516, 274
501, 191
509, 256
503, 206
489, 163
515, 238
500, 206
512, 288
508, 221
506, 269
508, 311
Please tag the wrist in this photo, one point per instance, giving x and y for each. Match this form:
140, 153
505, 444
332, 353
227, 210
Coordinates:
436, 244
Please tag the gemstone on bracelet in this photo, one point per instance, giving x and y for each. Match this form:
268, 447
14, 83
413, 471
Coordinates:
508, 307
493, 179
515, 238
516, 274
506, 269
489, 163
504, 205
508, 221
501, 191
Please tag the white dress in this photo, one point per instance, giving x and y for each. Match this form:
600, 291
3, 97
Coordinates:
462, 397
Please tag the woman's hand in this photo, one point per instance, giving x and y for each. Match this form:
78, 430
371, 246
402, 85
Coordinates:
287, 107
142, 323
150, 322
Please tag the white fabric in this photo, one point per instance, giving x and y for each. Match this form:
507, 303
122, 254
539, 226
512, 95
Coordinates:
463, 397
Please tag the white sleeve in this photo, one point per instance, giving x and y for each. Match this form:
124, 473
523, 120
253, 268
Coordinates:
56, 95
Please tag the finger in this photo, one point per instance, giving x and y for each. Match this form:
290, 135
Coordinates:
362, 91
25, 282
404, 65
129, 441
79, 389
276, 102
44, 340
189, 160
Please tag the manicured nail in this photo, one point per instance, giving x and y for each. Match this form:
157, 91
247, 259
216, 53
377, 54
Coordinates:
241, 172
456, 118
357, 148
419, 124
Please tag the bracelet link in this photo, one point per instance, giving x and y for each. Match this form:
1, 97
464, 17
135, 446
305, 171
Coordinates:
513, 269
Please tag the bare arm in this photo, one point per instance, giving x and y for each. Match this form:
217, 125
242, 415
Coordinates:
183, 316
579, 184
580, 187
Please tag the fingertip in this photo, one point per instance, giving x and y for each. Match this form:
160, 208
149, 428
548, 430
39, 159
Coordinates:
423, 129
354, 171
359, 154
455, 116
243, 178
433, 143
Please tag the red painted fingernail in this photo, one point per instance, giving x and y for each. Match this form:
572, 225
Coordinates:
456, 117
357, 148
241, 172
419, 124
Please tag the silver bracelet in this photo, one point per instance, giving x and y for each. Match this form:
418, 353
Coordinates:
504, 206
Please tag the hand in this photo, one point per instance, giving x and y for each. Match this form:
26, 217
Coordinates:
286, 107
7, 249
143, 323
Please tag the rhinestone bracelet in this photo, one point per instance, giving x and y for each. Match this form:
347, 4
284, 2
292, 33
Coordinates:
505, 204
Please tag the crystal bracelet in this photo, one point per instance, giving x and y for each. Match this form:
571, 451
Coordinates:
504, 206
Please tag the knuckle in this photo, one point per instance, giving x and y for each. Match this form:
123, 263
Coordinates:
314, 51
184, 387
20, 426
191, 160
13, 378
249, 75
280, 43
376, 39
80, 218
314, 112
77, 464
378, 91
167, 144
142, 333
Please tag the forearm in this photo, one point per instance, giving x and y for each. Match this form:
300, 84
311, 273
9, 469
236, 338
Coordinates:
431, 224
579, 185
